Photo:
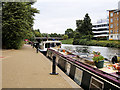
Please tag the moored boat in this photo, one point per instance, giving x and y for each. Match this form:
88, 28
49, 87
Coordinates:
44, 45
84, 72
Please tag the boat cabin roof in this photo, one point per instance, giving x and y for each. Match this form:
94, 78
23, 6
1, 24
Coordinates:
51, 42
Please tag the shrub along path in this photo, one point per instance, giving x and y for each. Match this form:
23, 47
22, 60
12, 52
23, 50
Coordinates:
103, 43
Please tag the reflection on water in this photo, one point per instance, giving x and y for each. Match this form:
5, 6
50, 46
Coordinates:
82, 49
107, 52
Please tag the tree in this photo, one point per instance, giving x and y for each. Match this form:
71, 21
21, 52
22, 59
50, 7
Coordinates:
53, 35
37, 33
29, 35
65, 37
70, 33
17, 23
77, 35
45, 35
83, 30
84, 27
60, 35
80, 28
78, 23
87, 25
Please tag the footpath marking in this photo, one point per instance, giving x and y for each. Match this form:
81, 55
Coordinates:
2, 57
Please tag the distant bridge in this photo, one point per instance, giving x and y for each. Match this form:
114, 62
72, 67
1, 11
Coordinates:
48, 38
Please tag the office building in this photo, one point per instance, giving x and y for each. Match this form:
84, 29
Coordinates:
114, 24
101, 29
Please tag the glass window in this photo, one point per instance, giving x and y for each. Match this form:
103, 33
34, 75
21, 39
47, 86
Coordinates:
117, 13
111, 36
111, 20
47, 45
111, 26
52, 44
117, 36
117, 31
117, 24
94, 25
111, 31
58, 44
111, 14
117, 18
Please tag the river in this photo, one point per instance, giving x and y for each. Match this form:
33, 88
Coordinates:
107, 52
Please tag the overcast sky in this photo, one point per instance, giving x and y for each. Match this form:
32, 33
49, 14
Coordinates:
56, 16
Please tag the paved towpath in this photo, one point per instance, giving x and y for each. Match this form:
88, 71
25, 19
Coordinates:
25, 68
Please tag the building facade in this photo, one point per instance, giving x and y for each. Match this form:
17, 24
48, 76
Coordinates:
114, 23
101, 29
114, 28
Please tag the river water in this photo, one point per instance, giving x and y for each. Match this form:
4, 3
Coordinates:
107, 52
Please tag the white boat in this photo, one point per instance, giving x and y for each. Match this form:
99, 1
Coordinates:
44, 45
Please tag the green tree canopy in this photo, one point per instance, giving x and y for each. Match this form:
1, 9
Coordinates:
17, 23
87, 25
53, 35
65, 37
78, 23
83, 30
37, 33
70, 33
45, 35
84, 27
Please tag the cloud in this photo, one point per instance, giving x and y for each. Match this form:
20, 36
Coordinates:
58, 15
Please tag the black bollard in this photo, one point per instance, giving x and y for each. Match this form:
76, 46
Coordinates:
37, 50
37, 47
33, 45
54, 67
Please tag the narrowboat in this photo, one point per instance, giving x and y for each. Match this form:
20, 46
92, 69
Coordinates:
44, 45
85, 73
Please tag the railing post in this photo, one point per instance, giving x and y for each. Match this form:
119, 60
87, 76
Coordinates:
54, 67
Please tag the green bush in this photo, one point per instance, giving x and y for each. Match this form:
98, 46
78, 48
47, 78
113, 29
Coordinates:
16, 44
82, 41
68, 41
65, 37
96, 43
76, 42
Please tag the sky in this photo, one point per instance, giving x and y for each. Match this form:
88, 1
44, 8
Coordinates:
56, 16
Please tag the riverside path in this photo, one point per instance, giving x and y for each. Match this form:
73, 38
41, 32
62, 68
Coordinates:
25, 68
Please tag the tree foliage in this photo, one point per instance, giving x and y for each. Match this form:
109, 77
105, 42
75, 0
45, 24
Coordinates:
70, 33
78, 23
51, 35
83, 30
37, 33
45, 35
84, 27
17, 23
87, 25
65, 37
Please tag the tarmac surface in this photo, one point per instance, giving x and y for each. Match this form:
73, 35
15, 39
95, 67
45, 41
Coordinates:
25, 68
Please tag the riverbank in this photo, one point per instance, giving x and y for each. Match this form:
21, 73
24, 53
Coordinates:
103, 43
68, 41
